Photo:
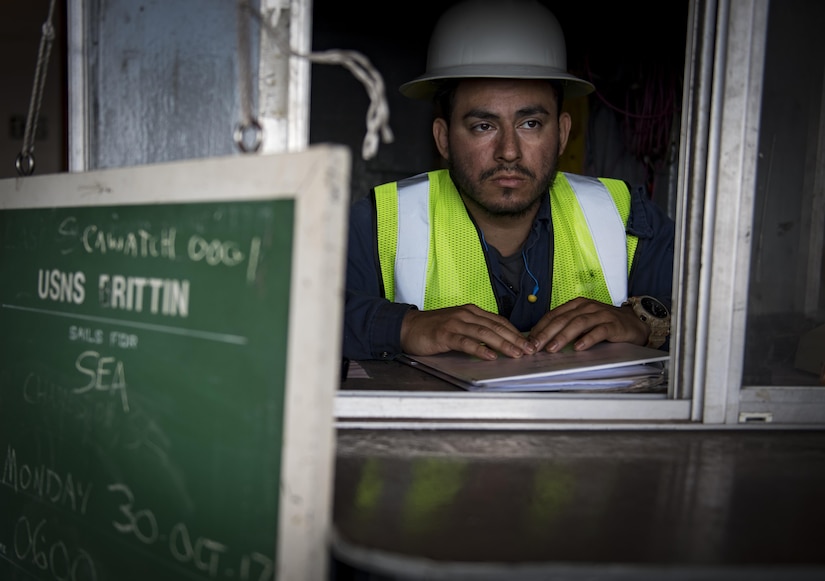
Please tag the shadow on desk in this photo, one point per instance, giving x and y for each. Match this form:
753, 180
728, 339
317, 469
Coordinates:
341, 571
579, 505
383, 375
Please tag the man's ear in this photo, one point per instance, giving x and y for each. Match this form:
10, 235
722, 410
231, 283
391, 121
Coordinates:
565, 122
441, 137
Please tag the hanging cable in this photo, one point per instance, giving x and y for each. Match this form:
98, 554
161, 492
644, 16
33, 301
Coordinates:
248, 133
378, 113
25, 159
533, 296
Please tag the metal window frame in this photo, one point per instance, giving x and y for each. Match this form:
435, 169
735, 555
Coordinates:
714, 207
718, 144
729, 203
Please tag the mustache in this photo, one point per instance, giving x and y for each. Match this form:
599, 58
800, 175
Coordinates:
510, 169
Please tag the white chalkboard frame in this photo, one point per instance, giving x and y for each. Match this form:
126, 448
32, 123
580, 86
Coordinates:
318, 179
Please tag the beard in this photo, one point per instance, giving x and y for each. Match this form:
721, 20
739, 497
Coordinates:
504, 203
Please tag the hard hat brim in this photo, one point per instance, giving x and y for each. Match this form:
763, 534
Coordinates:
424, 87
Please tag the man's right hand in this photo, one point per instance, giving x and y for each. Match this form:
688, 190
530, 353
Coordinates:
467, 328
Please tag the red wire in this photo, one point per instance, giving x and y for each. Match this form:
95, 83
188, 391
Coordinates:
647, 120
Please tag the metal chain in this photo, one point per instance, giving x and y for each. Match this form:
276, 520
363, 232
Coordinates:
25, 159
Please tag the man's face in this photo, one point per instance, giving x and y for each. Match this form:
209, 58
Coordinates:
503, 143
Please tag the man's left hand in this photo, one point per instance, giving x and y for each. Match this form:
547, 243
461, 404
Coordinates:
585, 322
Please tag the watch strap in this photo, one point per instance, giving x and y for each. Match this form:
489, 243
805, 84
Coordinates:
659, 326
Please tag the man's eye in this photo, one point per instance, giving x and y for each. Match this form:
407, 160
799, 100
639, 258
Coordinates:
531, 124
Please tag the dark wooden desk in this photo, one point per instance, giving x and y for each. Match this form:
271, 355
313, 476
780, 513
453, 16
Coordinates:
384, 375
391, 394
629, 505
392, 375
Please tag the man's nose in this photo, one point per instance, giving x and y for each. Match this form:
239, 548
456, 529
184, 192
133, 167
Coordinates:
508, 147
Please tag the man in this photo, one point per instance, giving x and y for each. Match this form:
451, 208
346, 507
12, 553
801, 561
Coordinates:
501, 254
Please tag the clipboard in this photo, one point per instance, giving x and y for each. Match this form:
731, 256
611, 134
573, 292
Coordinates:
605, 366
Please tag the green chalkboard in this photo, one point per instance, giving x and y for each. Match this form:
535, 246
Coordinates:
144, 375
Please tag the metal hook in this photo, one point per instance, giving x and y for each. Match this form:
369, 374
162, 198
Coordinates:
243, 131
28, 168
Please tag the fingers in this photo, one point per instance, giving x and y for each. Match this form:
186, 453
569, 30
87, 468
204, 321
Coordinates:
470, 329
584, 322
467, 328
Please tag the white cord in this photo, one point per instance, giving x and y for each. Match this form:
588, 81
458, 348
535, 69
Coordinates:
378, 113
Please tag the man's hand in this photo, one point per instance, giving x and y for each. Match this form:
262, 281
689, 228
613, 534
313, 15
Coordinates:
587, 322
467, 328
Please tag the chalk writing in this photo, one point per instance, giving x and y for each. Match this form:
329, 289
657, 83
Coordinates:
99, 421
123, 340
85, 335
144, 244
105, 374
38, 390
139, 243
114, 463
162, 295
45, 483
214, 252
204, 554
31, 545
64, 287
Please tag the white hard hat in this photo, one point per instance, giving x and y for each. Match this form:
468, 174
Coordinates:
508, 39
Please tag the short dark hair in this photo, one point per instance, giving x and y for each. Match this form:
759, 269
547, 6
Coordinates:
444, 97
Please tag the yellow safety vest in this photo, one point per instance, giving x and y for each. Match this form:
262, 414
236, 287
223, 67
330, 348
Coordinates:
431, 254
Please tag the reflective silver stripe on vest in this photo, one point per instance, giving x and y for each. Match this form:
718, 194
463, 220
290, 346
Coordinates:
413, 240
603, 220
607, 230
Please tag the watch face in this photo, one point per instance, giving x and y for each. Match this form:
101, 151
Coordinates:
654, 307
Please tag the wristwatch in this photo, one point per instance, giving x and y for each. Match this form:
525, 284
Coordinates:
655, 315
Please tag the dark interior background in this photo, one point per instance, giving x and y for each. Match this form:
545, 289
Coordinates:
632, 52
